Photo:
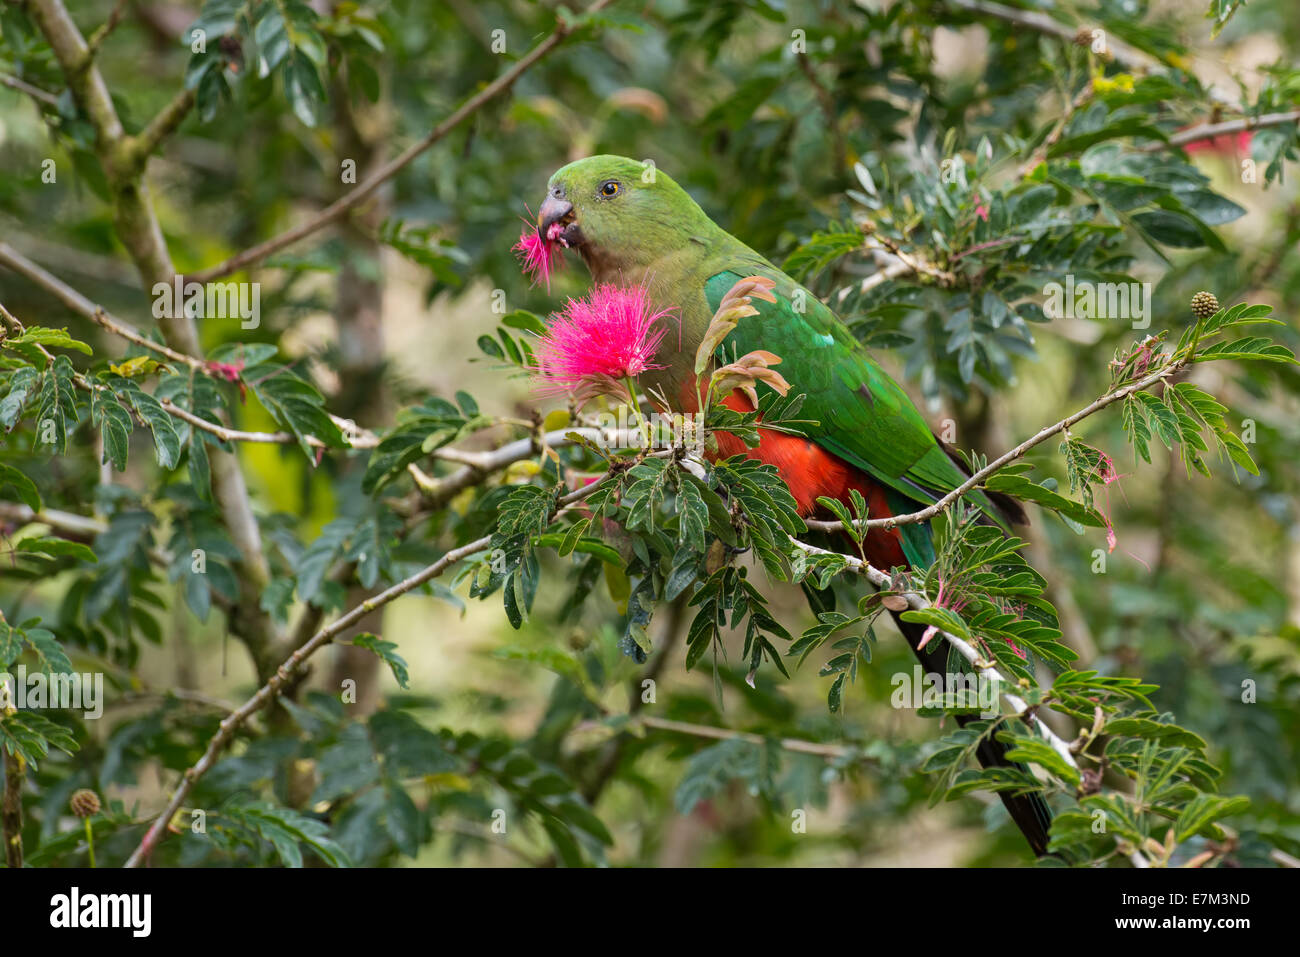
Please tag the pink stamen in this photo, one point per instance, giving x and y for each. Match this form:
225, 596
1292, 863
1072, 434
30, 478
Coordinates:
539, 257
925, 639
610, 335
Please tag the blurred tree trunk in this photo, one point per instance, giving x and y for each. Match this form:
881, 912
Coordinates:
1293, 574
358, 316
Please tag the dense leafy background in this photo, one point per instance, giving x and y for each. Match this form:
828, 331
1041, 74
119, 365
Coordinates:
459, 713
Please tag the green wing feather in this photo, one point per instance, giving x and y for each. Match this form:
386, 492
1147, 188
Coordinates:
863, 415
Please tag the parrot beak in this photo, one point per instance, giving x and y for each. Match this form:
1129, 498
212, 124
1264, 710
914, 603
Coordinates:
557, 221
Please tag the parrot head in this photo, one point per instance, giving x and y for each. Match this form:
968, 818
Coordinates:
619, 214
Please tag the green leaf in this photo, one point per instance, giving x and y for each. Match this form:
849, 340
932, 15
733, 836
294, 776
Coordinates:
167, 444
711, 769
285, 829
419, 430
11, 644
22, 385
386, 651
1221, 11
53, 659
31, 734
1021, 487
1024, 748
835, 697
57, 408
115, 427
56, 548
1151, 729
50, 339
941, 618
402, 819
24, 487
1171, 228
295, 403
1203, 810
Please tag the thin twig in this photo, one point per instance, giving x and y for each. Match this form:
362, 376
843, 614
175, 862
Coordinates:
1209, 131
169, 118
12, 327
96, 39
12, 259
914, 262
893, 271
69, 525
36, 93
794, 745
122, 330
1041, 436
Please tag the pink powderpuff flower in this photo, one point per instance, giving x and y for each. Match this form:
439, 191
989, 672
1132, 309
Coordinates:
539, 256
594, 344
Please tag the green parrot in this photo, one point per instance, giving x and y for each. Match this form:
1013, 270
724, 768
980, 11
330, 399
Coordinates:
632, 224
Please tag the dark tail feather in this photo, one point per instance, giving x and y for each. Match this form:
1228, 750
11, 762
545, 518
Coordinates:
1029, 811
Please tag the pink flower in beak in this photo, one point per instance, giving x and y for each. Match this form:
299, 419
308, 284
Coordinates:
539, 257
595, 344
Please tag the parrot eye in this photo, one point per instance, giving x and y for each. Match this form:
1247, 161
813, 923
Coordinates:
610, 188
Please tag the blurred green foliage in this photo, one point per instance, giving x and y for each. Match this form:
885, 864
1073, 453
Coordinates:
827, 135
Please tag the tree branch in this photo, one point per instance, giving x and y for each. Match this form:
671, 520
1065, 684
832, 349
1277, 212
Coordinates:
284, 673
85, 82
388, 170
476, 465
895, 270
1208, 131
36, 93
140, 232
99, 36
982, 666
69, 525
794, 745
1041, 436
167, 121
